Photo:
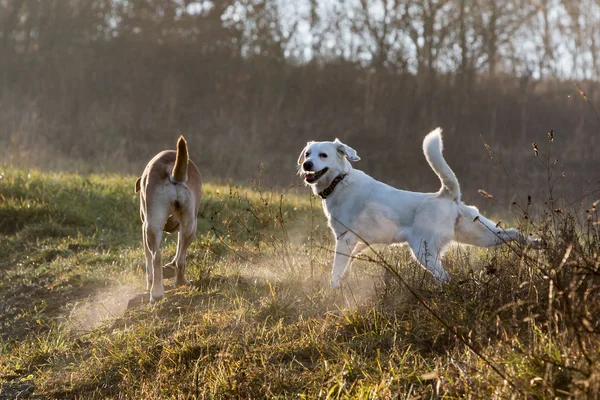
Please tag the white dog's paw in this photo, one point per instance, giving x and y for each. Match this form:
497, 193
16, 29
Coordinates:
441, 277
335, 283
535, 244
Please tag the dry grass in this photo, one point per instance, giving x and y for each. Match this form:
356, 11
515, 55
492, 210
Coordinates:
258, 320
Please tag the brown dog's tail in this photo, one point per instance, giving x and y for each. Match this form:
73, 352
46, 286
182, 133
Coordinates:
179, 172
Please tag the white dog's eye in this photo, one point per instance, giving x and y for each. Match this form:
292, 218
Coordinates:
323, 155
307, 155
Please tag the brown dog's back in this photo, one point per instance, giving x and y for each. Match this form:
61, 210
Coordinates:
171, 167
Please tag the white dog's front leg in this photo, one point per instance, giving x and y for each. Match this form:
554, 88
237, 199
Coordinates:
344, 247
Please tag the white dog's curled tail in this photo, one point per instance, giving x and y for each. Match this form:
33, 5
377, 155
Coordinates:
432, 147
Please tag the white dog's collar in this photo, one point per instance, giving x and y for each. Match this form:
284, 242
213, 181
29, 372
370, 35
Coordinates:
329, 189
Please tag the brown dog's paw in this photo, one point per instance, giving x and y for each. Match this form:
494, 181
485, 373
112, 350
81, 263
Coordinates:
182, 282
169, 271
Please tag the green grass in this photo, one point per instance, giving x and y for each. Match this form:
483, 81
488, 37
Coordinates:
258, 319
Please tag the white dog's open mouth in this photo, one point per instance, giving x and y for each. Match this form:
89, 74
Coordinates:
312, 176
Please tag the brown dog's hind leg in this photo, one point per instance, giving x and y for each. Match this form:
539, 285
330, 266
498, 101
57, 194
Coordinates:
153, 237
172, 224
149, 272
153, 226
187, 233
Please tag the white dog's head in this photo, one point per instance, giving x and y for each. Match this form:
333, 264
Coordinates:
321, 162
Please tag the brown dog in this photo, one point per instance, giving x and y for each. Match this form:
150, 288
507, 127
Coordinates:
170, 192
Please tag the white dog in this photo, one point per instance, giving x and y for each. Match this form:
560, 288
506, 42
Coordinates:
363, 211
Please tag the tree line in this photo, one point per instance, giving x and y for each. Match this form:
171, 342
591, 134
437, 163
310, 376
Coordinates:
103, 84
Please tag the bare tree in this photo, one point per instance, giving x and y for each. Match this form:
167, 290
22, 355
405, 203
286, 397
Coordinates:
380, 26
498, 22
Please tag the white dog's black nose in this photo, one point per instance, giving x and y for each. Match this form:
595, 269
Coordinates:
307, 166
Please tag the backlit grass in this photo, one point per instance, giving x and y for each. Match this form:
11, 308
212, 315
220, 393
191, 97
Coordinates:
259, 321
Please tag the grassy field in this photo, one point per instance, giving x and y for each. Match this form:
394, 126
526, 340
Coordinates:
258, 319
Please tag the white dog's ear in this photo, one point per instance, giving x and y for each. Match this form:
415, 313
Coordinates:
346, 151
302, 153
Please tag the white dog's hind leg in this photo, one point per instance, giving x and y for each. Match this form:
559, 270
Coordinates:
360, 246
475, 229
428, 254
345, 247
